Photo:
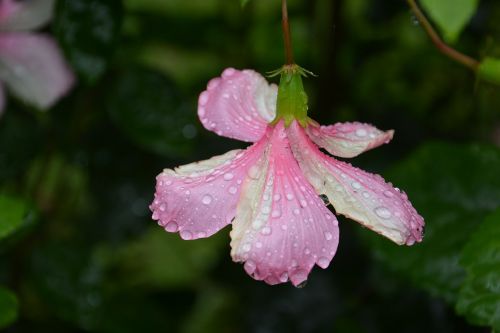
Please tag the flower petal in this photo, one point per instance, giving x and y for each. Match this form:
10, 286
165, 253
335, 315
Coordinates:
33, 68
348, 139
282, 228
199, 199
238, 105
357, 194
25, 15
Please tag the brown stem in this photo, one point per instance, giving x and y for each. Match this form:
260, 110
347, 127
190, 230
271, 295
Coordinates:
286, 34
438, 42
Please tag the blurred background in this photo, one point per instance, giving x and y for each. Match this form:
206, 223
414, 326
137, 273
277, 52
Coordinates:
80, 253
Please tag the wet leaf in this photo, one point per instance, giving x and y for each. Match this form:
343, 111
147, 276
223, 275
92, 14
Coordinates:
12, 213
20, 138
8, 307
489, 70
451, 16
479, 298
88, 31
165, 260
151, 111
68, 281
453, 187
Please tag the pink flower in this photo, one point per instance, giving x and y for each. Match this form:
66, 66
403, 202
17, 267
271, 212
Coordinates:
31, 65
270, 192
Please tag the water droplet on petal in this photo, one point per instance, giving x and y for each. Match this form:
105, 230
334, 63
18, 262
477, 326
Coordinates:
228, 72
254, 172
356, 185
203, 98
186, 235
171, 227
383, 212
233, 190
246, 247
228, 176
361, 132
328, 235
289, 197
323, 262
266, 231
207, 199
388, 194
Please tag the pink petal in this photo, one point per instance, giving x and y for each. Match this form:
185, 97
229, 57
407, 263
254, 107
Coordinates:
282, 228
199, 199
238, 105
33, 68
348, 139
357, 194
25, 15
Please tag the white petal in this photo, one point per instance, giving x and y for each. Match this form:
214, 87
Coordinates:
18, 15
33, 68
348, 139
357, 194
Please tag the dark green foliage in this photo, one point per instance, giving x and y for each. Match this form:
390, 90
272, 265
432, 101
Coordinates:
88, 31
479, 298
451, 15
8, 307
453, 205
12, 214
92, 260
151, 110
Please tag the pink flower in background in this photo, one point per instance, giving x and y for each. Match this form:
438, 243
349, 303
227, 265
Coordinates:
270, 192
31, 65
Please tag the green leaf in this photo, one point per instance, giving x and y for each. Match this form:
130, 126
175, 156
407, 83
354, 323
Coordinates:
88, 31
451, 16
68, 279
149, 108
165, 260
479, 298
8, 307
12, 213
453, 187
489, 70
244, 2
210, 312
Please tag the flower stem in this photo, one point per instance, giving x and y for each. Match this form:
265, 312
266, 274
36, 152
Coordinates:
438, 42
286, 34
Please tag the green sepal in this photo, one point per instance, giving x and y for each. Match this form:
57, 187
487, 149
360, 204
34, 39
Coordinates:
292, 98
